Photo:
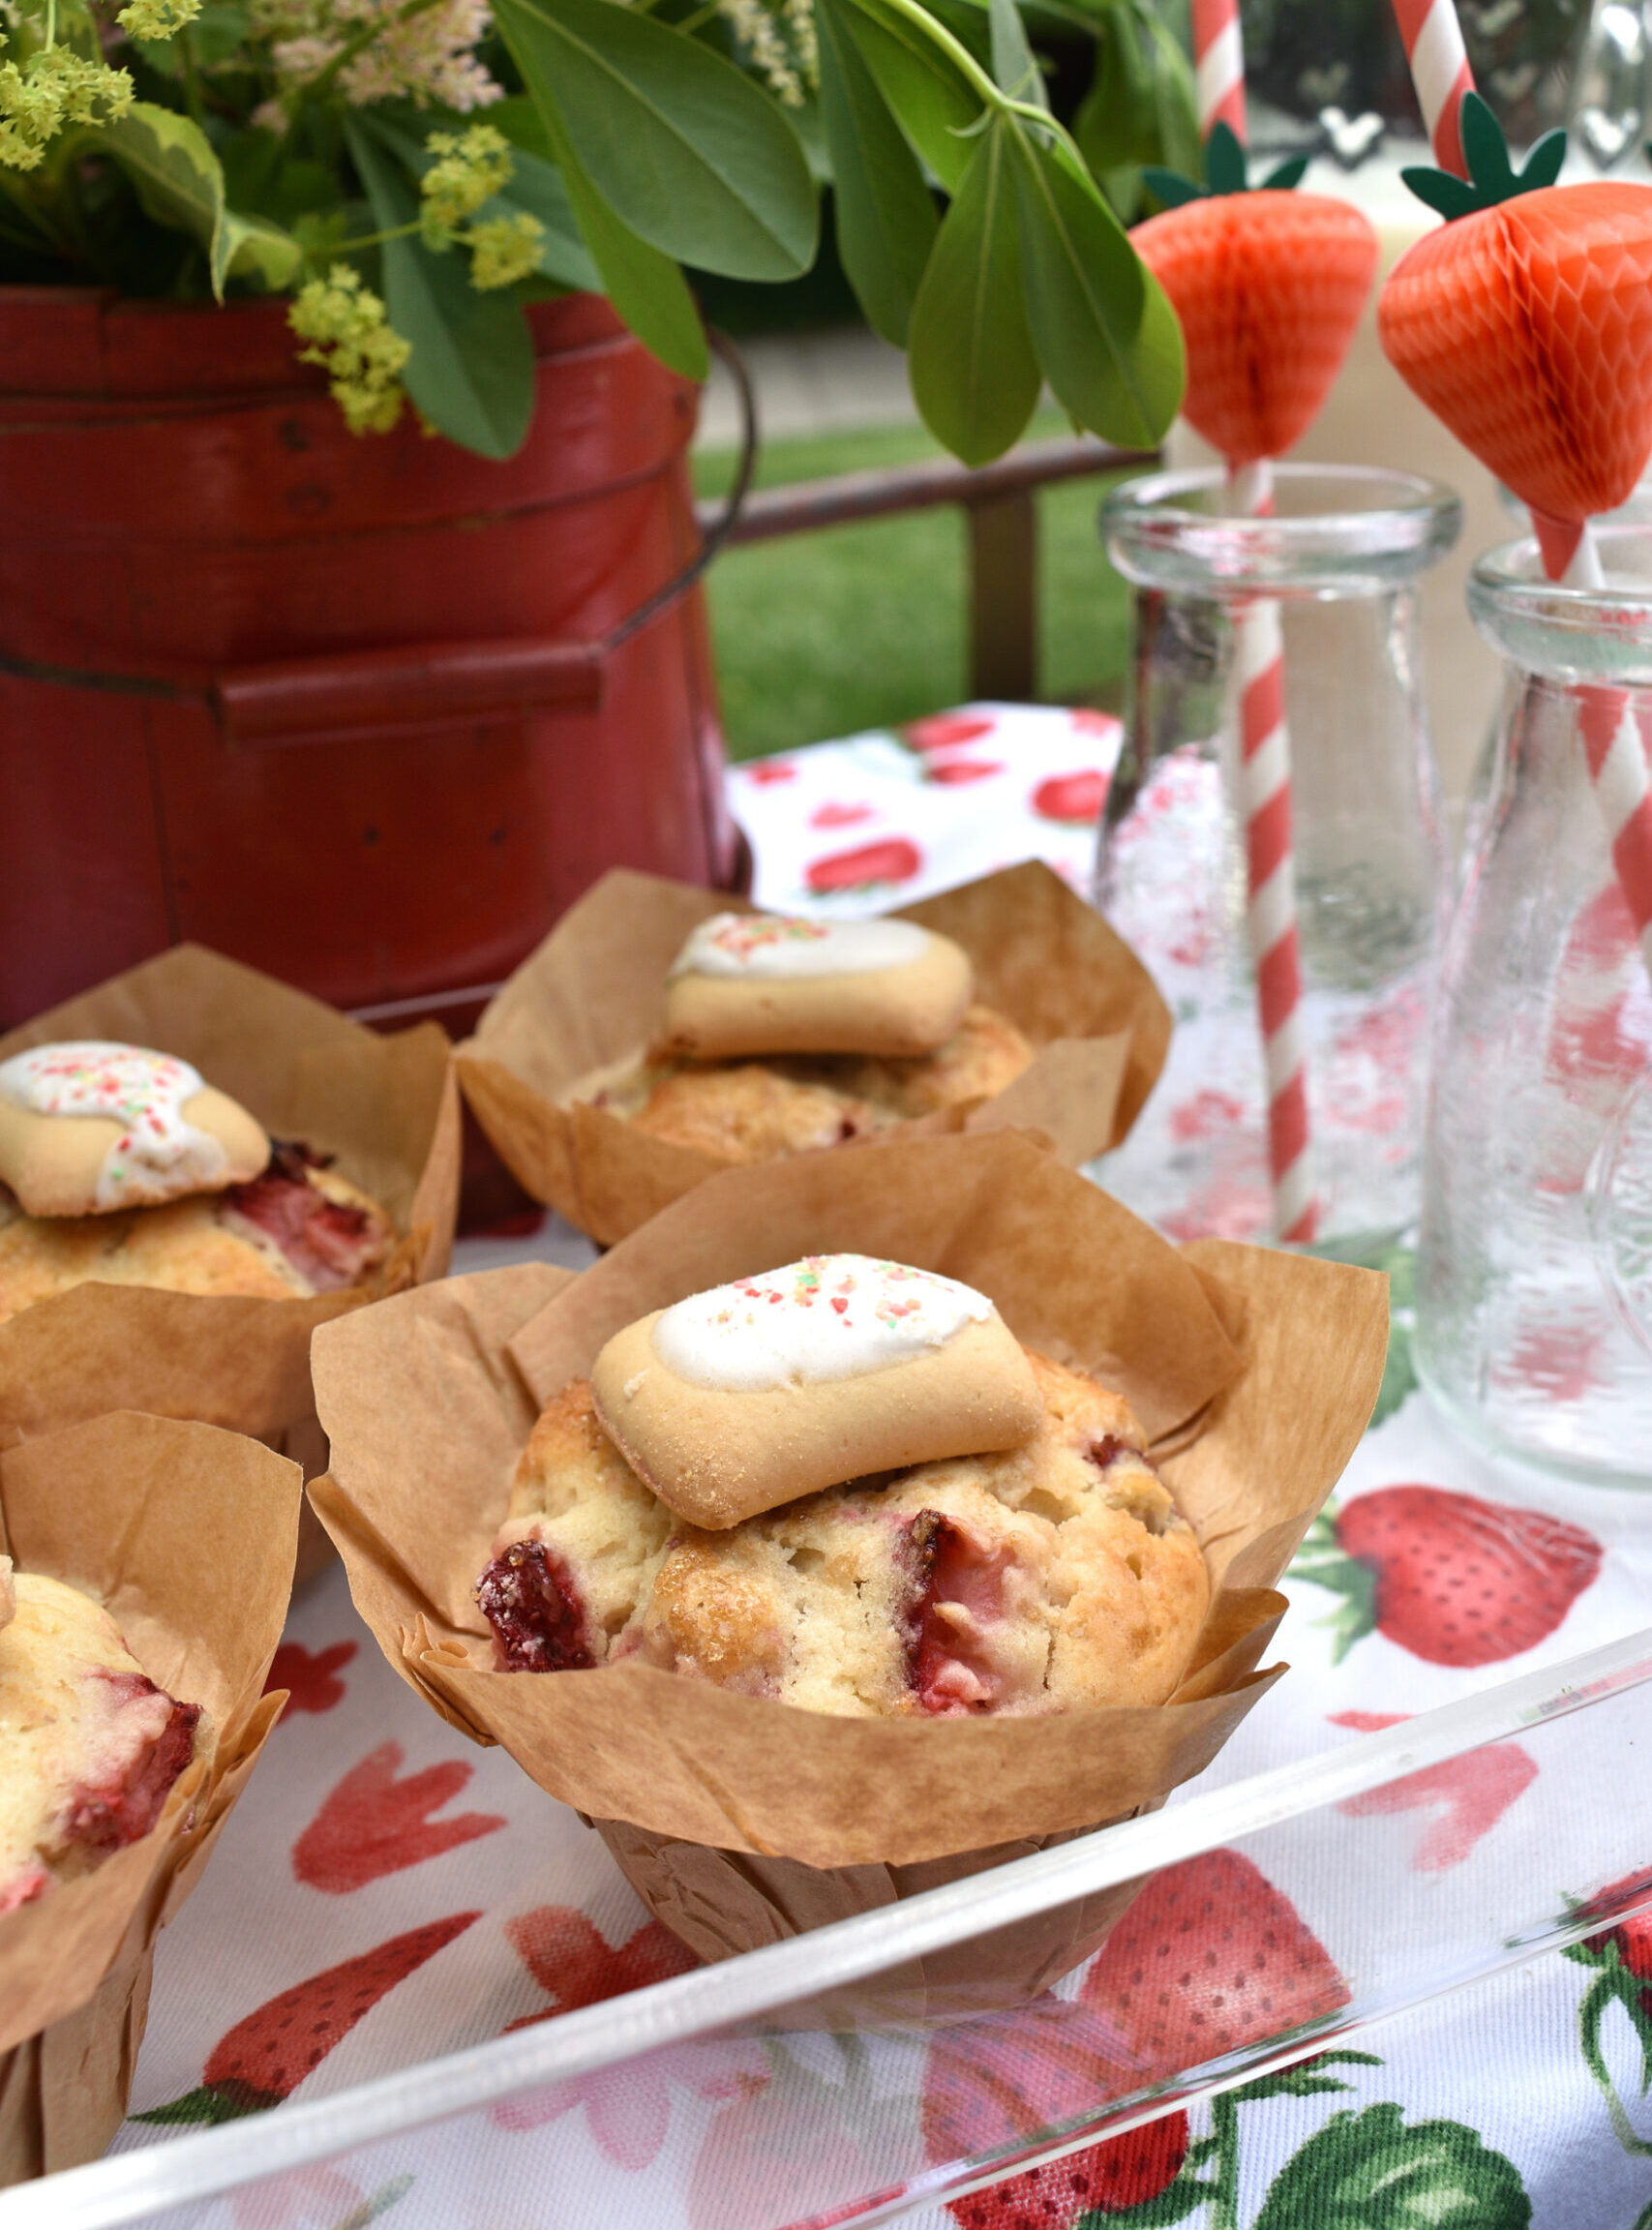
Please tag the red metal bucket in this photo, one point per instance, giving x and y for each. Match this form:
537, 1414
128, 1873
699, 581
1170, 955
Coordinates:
330, 705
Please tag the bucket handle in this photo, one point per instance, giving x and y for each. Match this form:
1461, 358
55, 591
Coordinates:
424, 686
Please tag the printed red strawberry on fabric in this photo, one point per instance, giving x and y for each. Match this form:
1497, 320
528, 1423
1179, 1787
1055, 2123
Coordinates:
1620, 1961
266, 2056
1470, 1794
371, 1823
310, 1679
891, 860
1453, 1580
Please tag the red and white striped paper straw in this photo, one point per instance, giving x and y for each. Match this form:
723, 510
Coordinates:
1440, 73
1271, 905
1264, 748
1219, 66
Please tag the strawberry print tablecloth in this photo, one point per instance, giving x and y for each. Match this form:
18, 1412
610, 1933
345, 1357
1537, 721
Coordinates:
386, 1892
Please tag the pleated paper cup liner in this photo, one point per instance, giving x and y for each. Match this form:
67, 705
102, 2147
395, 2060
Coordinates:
593, 995
148, 1514
1253, 1374
385, 1107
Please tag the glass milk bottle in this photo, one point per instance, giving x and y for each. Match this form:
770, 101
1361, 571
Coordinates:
1534, 1313
1338, 559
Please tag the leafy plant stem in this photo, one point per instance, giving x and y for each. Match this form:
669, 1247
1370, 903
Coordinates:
692, 23
195, 96
1224, 2192
1602, 1993
959, 55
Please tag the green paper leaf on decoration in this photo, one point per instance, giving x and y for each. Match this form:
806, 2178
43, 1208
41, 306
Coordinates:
1225, 161
883, 212
1286, 176
693, 156
1369, 2172
1170, 188
647, 289
1106, 337
928, 96
973, 374
1491, 176
471, 367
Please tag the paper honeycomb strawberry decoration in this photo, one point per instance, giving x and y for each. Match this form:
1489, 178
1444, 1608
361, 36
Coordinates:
1269, 286
1525, 324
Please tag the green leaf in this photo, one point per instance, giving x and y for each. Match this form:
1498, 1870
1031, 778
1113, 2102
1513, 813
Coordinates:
974, 373
685, 149
1288, 175
1491, 176
647, 289
1176, 97
1369, 2172
179, 182
930, 98
1321, 1561
212, 2102
886, 219
1174, 2203
1012, 65
1105, 335
1116, 123
471, 368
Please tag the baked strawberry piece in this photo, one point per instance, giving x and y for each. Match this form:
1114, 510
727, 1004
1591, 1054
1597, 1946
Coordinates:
89, 1747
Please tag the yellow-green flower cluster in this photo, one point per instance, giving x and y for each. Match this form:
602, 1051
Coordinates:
156, 18
780, 40
470, 168
351, 338
54, 86
503, 250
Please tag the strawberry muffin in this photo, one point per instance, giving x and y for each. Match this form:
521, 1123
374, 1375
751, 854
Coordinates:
89, 1746
1053, 1576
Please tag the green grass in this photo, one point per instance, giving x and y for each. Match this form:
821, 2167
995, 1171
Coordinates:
857, 626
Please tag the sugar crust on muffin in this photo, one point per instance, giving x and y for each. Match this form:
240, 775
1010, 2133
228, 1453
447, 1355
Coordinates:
89, 1747
1056, 1576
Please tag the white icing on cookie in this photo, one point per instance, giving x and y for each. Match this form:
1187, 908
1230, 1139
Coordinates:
776, 945
827, 1316
157, 1155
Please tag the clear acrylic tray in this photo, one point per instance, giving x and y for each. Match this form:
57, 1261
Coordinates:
1319, 1827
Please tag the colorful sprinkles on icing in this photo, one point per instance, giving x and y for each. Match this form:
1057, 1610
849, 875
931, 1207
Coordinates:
158, 1153
782, 945
771, 1329
741, 935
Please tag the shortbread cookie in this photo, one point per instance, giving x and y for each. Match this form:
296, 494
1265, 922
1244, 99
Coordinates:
578, 1553
1056, 1576
89, 1746
735, 1399
747, 984
296, 1229
754, 1112
92, 1127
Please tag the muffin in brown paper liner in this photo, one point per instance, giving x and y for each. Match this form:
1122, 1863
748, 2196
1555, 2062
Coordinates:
147, 1514
1253, 1374
386, 1107
593, 995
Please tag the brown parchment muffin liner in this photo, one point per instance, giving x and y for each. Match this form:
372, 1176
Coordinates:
387, 1108
188, 1536
594, 994
1252, 1371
